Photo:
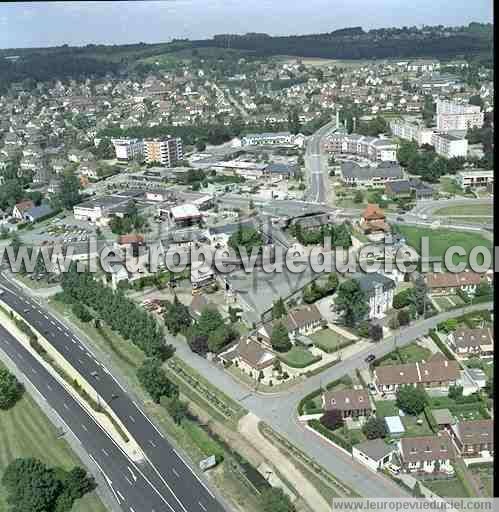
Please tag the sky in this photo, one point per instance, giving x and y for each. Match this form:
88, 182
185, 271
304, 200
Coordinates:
37, 24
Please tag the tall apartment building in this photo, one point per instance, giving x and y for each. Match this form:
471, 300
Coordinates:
128, 149
167, 151
372, 148
411, 130
457, 116
449, 146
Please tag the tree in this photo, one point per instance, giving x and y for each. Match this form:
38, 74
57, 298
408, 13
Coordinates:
279, 338
69, 192
332, 419
105, 149
416, 491
407, 151
209, 321
483, 289
278, 309
351, 302
81, 312
455, 392
403, 317
221, 337
198, 343
76, 484
176, 408
411, 400
274, 500
177, 317
394, 323
154, 380
246, 237
11, 390
375, 332
358, 197
375, 428
403, 298
31, 486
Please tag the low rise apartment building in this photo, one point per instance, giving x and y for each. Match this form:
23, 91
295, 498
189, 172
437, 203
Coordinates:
474, 178
411, 130
352, 403
427, 454
354, 175
474, 438
449, 146
376, 149
472, 342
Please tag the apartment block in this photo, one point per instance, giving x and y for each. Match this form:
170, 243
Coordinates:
458, 116
411, 130
376, 149
449, 146
128, 149
474, 178
167, 151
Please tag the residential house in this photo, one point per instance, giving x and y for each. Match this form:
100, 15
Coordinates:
375, 453
472, 342
474, 438
373, 221
21, 208
408, 188
37, 213
379, 290
438, 372
427, 454
352, 403
445, 283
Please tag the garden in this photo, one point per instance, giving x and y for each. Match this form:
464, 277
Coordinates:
329, 341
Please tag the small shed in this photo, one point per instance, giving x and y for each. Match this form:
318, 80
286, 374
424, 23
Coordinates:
443, 417
394, 426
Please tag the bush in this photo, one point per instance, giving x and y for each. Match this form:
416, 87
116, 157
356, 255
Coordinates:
411, 400
403, 317
332, 419
375, 428
403, 298
375, 332
11, 390
434, 336
318, 427
81, 312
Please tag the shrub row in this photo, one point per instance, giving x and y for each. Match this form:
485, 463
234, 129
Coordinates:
440, 344
319, 427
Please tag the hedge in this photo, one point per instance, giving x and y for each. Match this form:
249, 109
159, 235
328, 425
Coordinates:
305, 399
430, 419
440, 344
343, 344
319, 427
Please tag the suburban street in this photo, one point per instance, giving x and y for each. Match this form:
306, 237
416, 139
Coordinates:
280, 414
177, 483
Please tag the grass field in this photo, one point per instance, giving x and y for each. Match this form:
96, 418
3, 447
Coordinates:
466, 209
485, 473
26, 432
298, 357
439, 240
414, 353
385, 408
447, 488
327, 340
449, 186
412, 428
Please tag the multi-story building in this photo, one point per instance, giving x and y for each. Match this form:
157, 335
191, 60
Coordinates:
457, 116
128, 149
411, 130
355, 175
474, 178
167, 151
268, 139
375, 149
449, 146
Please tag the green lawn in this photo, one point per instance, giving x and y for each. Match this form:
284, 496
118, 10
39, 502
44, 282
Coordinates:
328, 340
486, 365
485, 472
439, 240
298, 357
447, 488
449, 186
385, 408
413, 429
466, 209
414, 353
26, 432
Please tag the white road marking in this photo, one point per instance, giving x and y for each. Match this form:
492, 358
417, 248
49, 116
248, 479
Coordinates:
202, 506
133, 474
104, 452
65, 406
189, 468
132, 418
121, 495
152, 443
175, 473
84, 427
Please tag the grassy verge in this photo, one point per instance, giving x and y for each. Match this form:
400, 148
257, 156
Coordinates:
26, 432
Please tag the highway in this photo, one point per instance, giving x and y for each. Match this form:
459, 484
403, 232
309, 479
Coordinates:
127, 481
180, 489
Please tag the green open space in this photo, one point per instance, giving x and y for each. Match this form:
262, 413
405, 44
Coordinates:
412, 353
329, 340
450, 186
447, 488
466, 209
298, 357
448, 302
439, 240
416, 425
484, 472
386, 408
26, 432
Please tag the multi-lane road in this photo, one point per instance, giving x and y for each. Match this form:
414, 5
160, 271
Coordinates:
167, 482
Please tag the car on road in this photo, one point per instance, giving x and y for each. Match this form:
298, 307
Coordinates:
370, 358
400, 219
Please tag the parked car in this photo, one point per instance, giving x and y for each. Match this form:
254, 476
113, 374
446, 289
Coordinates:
370, 358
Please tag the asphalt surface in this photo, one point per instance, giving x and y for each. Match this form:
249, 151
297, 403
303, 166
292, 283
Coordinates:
179, 488
316, 165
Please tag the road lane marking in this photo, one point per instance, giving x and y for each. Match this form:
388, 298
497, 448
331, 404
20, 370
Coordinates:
189, 468
202, 506
104, 452
175, 473
152, 443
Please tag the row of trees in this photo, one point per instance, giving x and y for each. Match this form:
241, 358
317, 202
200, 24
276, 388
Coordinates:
119, 312
32, 486
340, 235
315, 291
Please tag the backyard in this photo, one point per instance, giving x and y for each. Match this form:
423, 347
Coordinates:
439, 240
328, 340
447, 487
412, 353
448, 302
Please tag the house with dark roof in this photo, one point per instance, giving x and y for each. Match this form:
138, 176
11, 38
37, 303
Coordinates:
412, 187
427, 454
21, 208
474, 438
375, 453
38, 212
472, 342
355, 175
352, 403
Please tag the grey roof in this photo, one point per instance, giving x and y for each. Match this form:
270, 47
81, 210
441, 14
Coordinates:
37, 212
399, 187
442, 416
375, 449
368, 282
367, 173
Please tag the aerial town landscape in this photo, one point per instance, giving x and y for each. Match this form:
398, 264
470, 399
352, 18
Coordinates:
188, 322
